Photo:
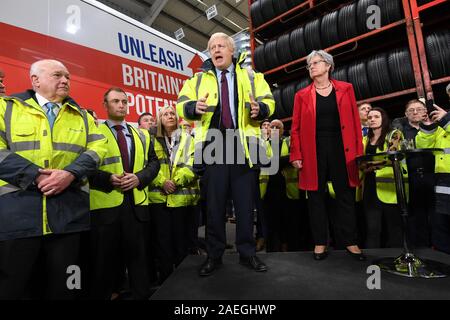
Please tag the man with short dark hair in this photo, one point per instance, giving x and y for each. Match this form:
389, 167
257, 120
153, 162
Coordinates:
148, 122
119, 202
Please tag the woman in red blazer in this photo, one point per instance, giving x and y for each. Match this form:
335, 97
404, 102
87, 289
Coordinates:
325, 140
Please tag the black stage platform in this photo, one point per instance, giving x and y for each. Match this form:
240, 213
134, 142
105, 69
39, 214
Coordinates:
295, 275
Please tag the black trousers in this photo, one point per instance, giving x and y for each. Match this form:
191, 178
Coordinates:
331, 166
126, 237
384, 223
239, 182
172, 231
19, 262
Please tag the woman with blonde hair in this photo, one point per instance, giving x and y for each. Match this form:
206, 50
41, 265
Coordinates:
173, 193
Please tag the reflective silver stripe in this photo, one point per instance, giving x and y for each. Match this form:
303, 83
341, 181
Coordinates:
8, 117
61, 146
110, 160
95, 137
181, 192
86, 124
25, 146
3, 135
447, 150
156, 190
428, 131
3, 154
183, 99
93, 155
85, 188
210, 109
442, 190
197, 87
251, 76
385, 180
267, 96
8, 189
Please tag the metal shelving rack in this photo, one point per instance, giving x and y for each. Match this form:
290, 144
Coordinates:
413, 35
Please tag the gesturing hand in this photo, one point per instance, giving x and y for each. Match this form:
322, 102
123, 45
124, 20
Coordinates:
254, 107
201, 106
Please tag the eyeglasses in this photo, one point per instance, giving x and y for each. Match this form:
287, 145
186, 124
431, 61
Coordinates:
313, 64
418, 110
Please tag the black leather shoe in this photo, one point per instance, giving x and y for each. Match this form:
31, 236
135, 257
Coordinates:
254, 263
357, 256
321, 255
209, 266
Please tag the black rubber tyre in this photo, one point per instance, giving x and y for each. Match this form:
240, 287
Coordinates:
256, 14
357, 75
312, 36
347, 22
280, 6
329, 29
279, 111
270, 54
340, 74
391, 11
284, 49
288, 98
362, 15
267, 10
302, 83
438, 54
259, 60
297, 43
378, 74
401, 70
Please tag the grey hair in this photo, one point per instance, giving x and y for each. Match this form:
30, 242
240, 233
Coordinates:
324, 55
448, 89
36, 68
222, 35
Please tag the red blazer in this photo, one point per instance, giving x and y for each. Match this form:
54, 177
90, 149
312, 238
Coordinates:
303, 135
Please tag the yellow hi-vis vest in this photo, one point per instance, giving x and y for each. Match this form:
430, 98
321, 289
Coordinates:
112, 163
25, 131
180, 172
437, 138
249, 83
290, 173
384, 177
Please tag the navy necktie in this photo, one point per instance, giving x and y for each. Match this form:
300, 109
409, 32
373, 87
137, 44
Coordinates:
227, 120
123, 147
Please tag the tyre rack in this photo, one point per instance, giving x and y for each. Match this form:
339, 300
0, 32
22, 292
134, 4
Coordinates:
416, 10
414, 37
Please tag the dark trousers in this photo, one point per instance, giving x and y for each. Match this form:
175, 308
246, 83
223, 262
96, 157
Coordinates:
172, 232
239, 182
126, 237
18, 263
331, 166
420, 208
383, 221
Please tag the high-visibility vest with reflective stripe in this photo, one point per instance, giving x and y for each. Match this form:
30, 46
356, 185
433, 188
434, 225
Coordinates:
27, 133
112, 163
249, 82
437, 138
264, 178
290, 173
384, 179
180, 172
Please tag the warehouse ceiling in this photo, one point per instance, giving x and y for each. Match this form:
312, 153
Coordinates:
167, 16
